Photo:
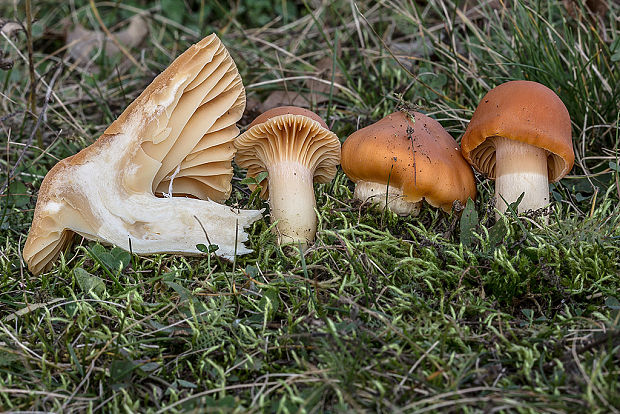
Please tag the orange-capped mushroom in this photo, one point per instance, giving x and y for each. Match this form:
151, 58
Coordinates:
405, 158
520, 135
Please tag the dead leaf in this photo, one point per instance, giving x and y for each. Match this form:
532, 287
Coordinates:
81, 42
598, 7
594, 7
325, 67
10, 28
287, 98
5, 62
319, 86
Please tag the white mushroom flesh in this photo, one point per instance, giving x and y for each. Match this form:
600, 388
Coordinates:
175, 138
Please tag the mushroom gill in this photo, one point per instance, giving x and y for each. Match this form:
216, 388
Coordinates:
296, 149
174, 139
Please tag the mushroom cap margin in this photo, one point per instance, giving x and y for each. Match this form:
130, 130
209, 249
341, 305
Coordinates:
288, 134
524, 111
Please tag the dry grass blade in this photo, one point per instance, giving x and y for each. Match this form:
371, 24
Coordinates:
384, 313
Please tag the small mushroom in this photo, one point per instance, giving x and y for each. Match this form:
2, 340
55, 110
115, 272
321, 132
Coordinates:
405, 158
296, 149
174, 139
520, 135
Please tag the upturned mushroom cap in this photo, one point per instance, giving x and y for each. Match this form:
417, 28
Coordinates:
292, 134
296, 149
175, 138
411, 152
524, 111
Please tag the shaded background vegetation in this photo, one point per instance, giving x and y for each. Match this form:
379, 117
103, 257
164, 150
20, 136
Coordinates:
383, 313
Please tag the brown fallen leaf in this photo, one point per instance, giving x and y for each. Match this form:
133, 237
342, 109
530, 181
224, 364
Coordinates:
319, 86
325, 67
10, 28
81, 41
5, 62
288, 98
595, 7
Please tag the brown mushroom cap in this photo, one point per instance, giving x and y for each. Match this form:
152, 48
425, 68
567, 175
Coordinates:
524, 111
288, 133
413, 153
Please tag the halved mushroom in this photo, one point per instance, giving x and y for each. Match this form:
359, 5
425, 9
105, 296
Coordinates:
404, 159
296, 149
175, 138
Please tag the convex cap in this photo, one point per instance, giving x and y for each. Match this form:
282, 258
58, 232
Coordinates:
520, 136
522, 111
174, 139
297, 149
415, 156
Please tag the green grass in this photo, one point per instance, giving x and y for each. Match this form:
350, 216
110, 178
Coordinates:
383, 313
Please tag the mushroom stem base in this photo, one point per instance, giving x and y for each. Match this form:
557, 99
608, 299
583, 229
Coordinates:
520, 169
378, 194
292, 202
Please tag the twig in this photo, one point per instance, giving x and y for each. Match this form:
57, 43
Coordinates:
9, 116
48, 95
31, 96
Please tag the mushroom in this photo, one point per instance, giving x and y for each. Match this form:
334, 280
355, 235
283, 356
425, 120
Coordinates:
520, 135
296, 148
174, 139
405, 158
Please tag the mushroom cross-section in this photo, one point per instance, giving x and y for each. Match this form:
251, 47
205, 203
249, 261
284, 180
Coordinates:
174, 139
520, 135
296, 149
405, 158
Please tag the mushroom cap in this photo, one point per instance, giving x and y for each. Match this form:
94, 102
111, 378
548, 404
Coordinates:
180, 128
288, 133
290, 110
200, 97
524, 111
411, 152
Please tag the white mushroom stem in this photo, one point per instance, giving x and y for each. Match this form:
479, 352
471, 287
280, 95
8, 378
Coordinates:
520, 168
375, 193
292, 202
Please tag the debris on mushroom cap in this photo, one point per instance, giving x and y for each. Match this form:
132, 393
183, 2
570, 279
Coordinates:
296, 149
524, 111
411, 153
175, 138
288, 132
